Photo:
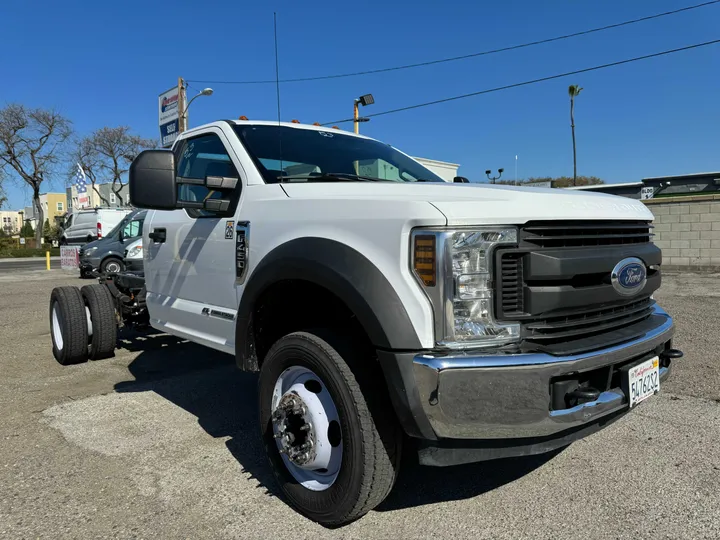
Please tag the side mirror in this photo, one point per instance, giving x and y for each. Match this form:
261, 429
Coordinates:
121, 235
152, 180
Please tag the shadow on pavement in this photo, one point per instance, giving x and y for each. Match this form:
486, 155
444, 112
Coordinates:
418, 485
208, 385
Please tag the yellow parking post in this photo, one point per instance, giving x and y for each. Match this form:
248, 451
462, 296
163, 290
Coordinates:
47, 259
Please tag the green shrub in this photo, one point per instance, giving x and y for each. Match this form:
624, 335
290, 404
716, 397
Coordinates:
14, 253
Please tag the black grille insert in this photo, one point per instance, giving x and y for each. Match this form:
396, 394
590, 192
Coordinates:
511, 284
556, 234
560, 327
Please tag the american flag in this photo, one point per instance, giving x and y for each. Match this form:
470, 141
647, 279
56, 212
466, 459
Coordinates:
80, 182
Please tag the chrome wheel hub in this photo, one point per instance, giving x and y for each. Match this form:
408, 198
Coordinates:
306, 427
293, 430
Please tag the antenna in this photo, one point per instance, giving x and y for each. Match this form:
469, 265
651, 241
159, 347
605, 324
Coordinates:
277, 89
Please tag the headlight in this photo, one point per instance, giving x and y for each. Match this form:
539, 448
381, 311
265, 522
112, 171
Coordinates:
455, 268
88, 250
134, 252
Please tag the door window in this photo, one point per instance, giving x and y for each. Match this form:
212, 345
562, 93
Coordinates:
133, 229
199, 158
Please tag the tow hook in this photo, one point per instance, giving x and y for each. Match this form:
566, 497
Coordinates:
583, 394
668, 355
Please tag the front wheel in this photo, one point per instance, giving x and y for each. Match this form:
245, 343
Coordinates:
332, 441
112, 265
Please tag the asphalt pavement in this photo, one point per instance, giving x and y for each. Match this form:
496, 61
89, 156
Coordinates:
162, 442
23, 264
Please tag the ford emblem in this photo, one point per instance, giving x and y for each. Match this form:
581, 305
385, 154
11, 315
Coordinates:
629, 276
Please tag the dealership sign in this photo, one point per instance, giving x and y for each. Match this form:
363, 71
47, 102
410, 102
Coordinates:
169, 116
69, 257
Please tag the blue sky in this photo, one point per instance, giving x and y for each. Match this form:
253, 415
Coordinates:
104, 63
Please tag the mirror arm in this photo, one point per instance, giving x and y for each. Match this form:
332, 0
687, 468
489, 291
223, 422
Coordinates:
191, 181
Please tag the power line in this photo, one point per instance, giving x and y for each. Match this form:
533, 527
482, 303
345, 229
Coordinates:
472, 55
525, 83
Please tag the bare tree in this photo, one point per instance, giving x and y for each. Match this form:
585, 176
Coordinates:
116, 148
31, 143
573, 91
84, 153
3, 197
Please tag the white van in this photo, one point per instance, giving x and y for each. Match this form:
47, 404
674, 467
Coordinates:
85, 226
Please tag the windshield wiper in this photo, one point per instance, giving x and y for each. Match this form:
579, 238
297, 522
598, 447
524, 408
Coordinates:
329, 177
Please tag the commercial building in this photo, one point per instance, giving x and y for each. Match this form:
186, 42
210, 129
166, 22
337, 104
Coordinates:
445, 170
683, 185
11, 221
631, 190
99, 195
53, 205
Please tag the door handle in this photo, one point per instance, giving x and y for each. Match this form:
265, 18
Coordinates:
158, 235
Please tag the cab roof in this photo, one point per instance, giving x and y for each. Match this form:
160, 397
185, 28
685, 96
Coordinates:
293, 125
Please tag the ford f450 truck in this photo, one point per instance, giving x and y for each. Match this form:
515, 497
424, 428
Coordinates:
382, 306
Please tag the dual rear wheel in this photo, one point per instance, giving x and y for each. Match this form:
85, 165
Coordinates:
82, 323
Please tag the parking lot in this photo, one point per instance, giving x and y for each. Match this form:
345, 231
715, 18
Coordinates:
161, 442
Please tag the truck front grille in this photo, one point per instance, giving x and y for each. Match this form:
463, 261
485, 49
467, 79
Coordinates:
591, 321
559, 234
557, 284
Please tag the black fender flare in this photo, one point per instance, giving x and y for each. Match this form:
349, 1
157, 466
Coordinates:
343, 271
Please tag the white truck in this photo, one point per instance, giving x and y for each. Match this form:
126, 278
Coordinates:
384, 309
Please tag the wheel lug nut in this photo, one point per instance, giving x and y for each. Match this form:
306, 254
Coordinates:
305, 427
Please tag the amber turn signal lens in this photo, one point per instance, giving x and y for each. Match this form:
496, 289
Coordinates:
424, 258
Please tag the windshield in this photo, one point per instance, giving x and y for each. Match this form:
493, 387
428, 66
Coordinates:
312, 152
116, 229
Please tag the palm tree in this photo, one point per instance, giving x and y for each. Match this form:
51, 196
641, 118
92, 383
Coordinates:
574, 91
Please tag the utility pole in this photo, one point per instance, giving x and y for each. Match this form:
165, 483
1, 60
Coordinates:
356, 115
182, 100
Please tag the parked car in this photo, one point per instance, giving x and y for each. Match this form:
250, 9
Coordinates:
84, 226
106, 254
133, 257
482, 321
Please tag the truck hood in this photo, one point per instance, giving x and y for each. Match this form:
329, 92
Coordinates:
477, 204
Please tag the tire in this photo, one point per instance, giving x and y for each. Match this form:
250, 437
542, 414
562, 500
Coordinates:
369, 434
68, 326
102, 329
112, 265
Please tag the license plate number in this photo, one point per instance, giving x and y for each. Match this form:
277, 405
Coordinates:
643, 381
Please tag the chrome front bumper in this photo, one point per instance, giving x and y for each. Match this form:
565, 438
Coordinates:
508, 396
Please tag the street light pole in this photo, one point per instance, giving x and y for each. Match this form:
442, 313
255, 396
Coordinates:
356, 115
365, 100
493, 178
182, 99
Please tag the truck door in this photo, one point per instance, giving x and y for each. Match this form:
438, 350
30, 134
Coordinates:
190, 276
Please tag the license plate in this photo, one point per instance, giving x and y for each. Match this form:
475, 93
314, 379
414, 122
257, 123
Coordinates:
643, 381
